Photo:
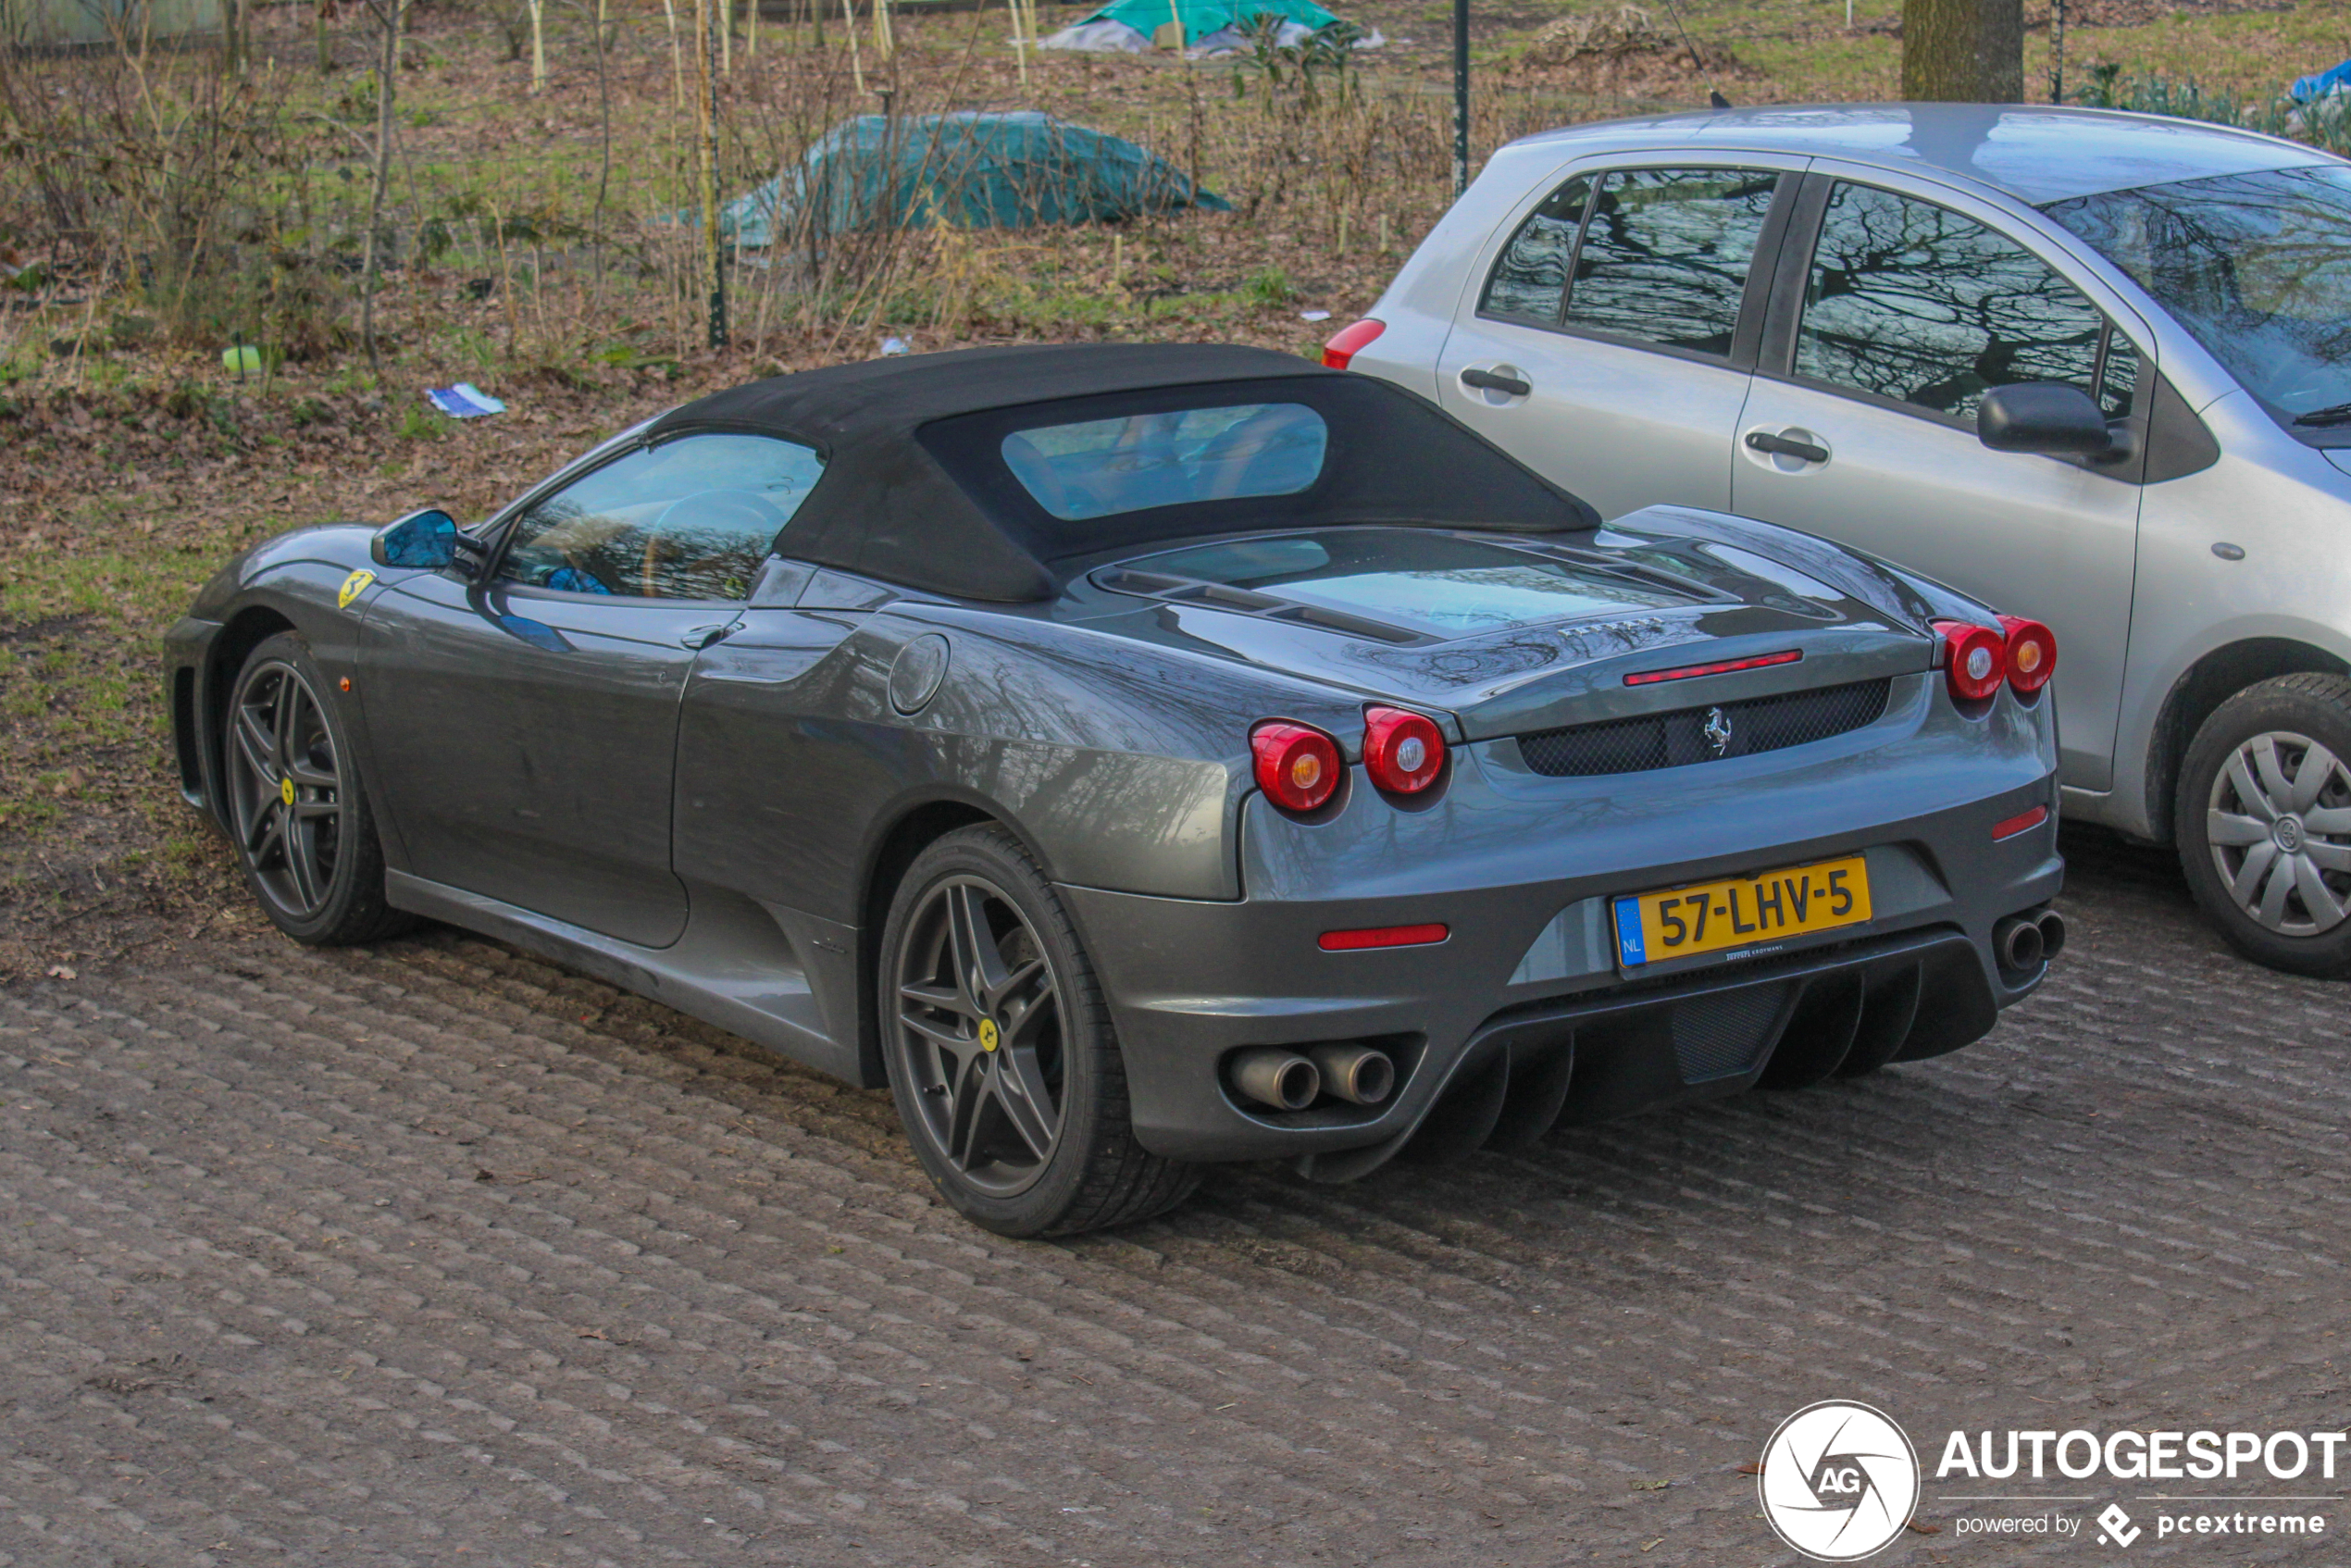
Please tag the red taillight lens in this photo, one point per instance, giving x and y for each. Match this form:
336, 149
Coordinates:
2022, 822
1352, 340
1403, 751
1384, 936
1975, 659
1297, 765
2032, 654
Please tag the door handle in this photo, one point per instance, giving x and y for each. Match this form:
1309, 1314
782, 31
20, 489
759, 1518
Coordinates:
703, 636
1780, 446
1486, 381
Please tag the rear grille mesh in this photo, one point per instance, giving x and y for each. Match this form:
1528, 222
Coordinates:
1678, 739
1720, 1034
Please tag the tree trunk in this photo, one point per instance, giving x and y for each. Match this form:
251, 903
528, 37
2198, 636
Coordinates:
1963, 51
384, 94
707, 15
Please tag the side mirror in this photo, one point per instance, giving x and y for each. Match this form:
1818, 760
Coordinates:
2050, 418
426, 540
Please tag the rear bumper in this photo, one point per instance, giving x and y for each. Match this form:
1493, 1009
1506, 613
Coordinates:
1529, 968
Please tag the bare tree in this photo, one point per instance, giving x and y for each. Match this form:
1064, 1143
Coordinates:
1963, 51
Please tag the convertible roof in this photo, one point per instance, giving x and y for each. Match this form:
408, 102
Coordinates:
915, 491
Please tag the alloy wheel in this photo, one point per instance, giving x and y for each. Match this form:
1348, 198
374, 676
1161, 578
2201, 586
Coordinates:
979, 1035
2279, 826
285, 788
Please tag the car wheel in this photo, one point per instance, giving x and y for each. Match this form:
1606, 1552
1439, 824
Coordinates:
305, 834
2264, 816
1000, 1052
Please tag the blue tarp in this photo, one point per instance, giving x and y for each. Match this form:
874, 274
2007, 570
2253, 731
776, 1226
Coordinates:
2326, 82
967, 170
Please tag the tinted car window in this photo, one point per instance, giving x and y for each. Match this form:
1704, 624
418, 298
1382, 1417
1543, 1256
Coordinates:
1530, 276
1913, 301
1100, 468
688, 519
2256, 266
2118, 377
1665, 255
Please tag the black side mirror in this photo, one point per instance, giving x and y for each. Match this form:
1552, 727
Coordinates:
426, 540
2051, 417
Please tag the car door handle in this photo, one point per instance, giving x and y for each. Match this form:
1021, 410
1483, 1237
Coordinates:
703, 636
1486, 381
1780, 446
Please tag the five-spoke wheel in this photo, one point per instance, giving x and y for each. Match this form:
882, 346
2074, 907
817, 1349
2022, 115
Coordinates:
303, 831
285, 787
980, 1028
999, 1049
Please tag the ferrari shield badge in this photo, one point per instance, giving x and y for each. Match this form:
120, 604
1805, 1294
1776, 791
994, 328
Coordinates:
353, 586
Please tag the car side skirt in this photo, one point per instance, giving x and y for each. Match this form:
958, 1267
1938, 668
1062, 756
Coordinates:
778, 977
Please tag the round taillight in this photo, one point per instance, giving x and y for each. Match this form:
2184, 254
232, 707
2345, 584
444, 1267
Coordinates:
1351, 340
1297, 765
1403, 751
2032, 654
1976, 659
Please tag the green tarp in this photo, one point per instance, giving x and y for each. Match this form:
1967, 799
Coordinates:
964, 170
1201, 17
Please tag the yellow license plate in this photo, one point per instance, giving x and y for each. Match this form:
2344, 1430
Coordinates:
1741, 910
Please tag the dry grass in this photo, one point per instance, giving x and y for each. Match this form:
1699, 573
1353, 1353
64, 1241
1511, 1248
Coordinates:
532, 260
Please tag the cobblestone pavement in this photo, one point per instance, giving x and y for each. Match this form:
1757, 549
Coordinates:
438, 1254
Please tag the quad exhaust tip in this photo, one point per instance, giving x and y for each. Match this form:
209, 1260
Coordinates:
1282, 1079
2018, 942
1355, 1073
2052, 926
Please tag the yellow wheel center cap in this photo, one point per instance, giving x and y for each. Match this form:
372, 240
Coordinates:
987, 1034
285, 790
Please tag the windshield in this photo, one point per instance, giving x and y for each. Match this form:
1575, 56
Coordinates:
2257, 266
1105, 466
1432, 583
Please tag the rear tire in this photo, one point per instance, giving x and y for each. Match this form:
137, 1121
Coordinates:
2264, 822
304, 832
1000, 1052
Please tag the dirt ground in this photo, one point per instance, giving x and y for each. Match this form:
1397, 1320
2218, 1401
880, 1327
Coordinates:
435, 1254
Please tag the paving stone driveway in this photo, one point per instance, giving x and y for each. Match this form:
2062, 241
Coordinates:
437, 1254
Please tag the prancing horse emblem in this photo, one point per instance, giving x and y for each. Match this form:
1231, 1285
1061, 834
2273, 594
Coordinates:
1717, 730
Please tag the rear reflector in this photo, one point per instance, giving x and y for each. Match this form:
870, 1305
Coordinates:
1351, 340
2022, 822
1384, 936
1689, 672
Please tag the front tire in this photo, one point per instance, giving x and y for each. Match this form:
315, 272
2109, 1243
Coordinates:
304, 833
1001, 1052
2264, 822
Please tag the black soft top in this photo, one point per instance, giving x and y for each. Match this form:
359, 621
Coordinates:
915, 491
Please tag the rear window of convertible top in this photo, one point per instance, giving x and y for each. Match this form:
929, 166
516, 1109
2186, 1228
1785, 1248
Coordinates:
1101, 468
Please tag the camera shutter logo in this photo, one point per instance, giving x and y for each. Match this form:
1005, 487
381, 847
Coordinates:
1839, 1481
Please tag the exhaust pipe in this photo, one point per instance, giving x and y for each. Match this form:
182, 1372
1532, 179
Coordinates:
1282, 1079
2052, 934
1355, 1072
2016, 940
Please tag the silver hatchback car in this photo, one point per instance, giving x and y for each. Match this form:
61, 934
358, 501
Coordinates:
2094, 368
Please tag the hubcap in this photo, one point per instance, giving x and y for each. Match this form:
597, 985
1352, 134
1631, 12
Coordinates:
2279, 824
979, 1036
285, 788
